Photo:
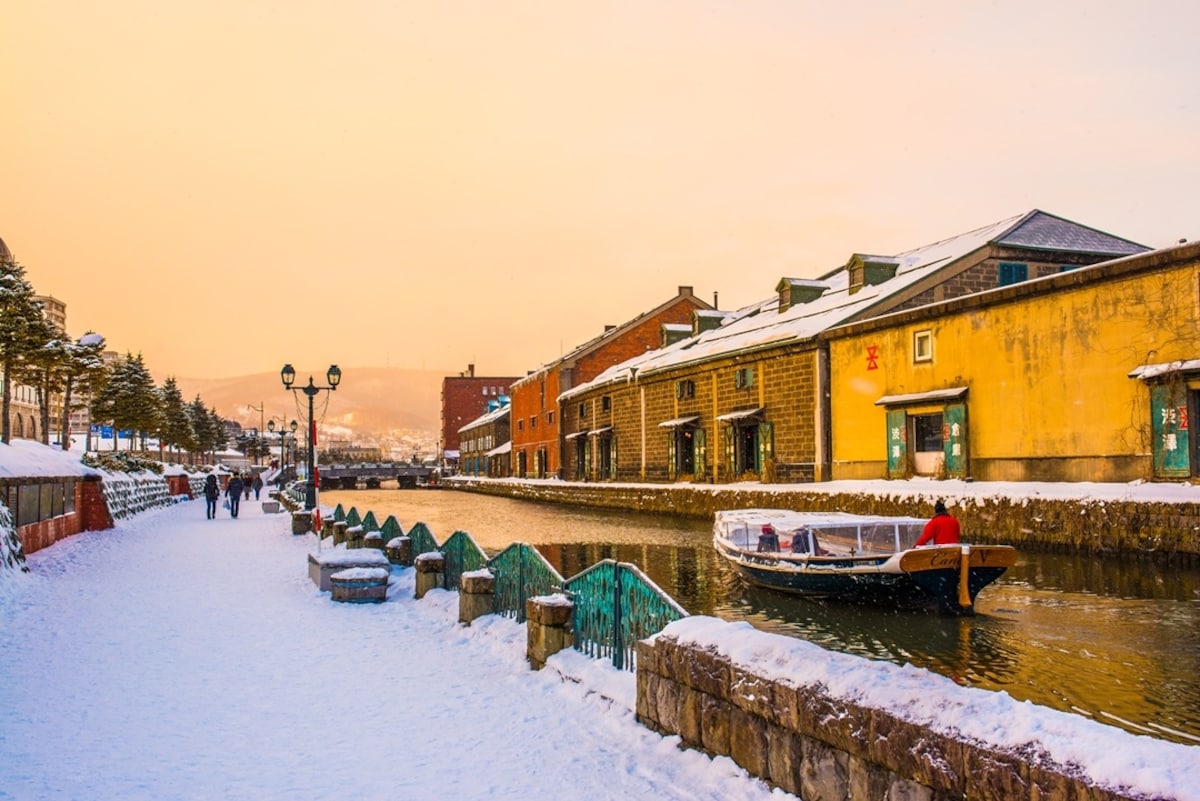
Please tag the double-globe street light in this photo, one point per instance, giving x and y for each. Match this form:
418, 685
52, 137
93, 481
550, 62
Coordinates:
334, 376
283, 432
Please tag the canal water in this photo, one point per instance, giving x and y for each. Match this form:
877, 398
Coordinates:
1117, 641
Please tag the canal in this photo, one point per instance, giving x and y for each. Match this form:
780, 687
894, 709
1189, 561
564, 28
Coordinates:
1112, 640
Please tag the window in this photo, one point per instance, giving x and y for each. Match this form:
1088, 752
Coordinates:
550, 417
606, 404
685, 389
1013, 273
583, 410
927, 432
533, 422
923, 346
744, 378
520, 425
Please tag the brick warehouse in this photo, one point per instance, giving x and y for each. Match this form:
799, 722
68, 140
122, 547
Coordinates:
746, 397
464, 398
535, 428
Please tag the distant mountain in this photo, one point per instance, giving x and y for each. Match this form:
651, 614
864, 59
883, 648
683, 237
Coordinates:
369, 400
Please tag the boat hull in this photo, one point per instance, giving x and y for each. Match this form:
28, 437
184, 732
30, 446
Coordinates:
931, 577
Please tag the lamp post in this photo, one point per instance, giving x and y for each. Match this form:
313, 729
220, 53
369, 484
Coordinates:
283, 432
334, 376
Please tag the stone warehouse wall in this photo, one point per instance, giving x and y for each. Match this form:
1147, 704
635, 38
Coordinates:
823, 748
1160, 530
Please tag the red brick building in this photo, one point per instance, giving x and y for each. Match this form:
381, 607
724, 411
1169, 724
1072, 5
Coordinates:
464, 398
536, 444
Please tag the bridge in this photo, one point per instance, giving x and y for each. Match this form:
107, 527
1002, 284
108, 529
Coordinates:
349, 476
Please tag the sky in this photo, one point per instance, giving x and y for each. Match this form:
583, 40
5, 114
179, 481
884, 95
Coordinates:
139, 663
378, 183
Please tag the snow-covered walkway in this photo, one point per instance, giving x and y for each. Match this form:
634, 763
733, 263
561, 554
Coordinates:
176, 657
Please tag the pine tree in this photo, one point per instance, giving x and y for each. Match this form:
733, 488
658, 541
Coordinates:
176, 430
128, 399
44, 370
21, 333
83, 372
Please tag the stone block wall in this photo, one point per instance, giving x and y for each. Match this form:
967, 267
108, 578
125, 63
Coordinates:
799, 737
1169, 531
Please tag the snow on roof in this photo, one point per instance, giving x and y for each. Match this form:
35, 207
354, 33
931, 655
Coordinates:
1147, 371
500, 450
25, 458
762, 325
488, 417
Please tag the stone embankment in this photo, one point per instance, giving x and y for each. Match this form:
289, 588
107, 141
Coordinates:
1143, 529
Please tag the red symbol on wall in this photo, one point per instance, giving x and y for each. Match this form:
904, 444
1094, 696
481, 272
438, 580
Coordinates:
872, 357
1183, 418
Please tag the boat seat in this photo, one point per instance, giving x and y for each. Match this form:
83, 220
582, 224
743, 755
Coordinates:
768, 542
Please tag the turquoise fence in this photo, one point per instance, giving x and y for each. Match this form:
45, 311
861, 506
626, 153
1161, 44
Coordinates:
616, 604
339, 514
521, 573
461, 555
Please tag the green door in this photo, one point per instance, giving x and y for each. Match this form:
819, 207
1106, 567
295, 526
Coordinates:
671, 455
701, 453
1169, 431
954, 439
897, 443
766, 453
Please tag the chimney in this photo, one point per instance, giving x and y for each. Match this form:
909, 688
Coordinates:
470, 371
715, 306
685, 292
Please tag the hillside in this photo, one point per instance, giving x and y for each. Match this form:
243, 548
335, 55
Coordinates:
369, 401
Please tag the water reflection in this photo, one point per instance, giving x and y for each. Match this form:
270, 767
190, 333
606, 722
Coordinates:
1117, 641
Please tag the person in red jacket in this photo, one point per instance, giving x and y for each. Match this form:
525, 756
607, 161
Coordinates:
942, 528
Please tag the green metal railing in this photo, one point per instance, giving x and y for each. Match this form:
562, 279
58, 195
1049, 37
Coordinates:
422, 540
391, 529
462, 555
339, 514
616, 605
521, 573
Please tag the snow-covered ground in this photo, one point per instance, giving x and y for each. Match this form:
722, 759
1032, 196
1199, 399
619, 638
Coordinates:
179, 657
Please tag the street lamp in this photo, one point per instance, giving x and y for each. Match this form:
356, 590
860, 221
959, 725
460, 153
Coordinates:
282, 439
334, 376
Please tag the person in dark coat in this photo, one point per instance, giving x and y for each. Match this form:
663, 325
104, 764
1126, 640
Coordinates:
257, 484
212, 491
233, 491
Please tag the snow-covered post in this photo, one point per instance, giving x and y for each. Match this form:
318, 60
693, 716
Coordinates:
548, 630
431, 573
476, 595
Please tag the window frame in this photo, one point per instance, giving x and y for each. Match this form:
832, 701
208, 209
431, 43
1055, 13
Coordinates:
922, 346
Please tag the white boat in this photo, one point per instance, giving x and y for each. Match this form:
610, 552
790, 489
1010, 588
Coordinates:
863, 557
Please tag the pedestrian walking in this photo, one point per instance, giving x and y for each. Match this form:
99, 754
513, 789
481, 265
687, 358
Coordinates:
234, 493
212, 491
257, 484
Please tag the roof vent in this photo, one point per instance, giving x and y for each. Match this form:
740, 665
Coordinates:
866, 270
794, 291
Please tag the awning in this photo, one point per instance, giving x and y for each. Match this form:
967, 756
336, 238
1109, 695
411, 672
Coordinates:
595, 432
501, 449
953, 393
1147, 372
679, 421
741, 414
576, 435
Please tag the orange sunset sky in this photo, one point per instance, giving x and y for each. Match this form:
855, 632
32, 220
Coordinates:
229, 185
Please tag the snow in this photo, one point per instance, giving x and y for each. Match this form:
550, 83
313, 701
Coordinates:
24, 458
178, 657
175, 656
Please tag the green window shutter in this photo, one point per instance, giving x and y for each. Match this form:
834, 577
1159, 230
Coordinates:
1169, 431
897, 443
701, 452
671, 472
731, 467
954, 439
766, 452
612, 457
